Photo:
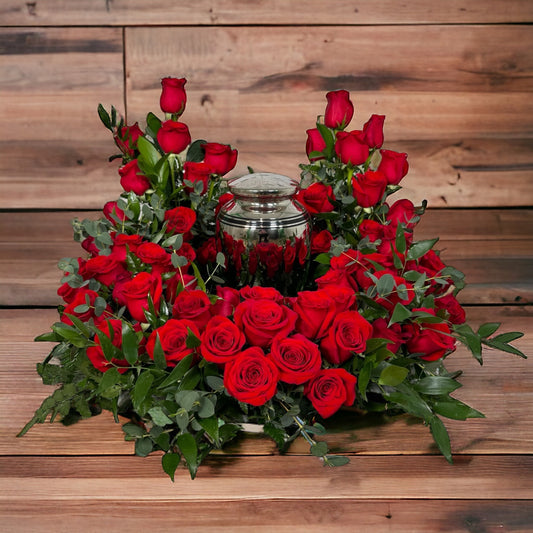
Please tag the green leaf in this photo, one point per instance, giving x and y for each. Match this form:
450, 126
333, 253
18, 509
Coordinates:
170, 462
132, 430
196, 152
50, 336
486, 330
418, 249
70, 334
399, 314
141, 389
436, 385
392, 375
454, 409
148, 152
206, 409
319, 449
323, 259
401, 243
192, 341
143, 446
441, 437
410, 402
159, 417
364, 377
109, 379
104, 117
177, 372
507, 337
153, 123
215, 382
278, 435
210, 426
329, 139
337, 460
160, 359
110, 351
130, 345
187, 398
505, 348
189, 450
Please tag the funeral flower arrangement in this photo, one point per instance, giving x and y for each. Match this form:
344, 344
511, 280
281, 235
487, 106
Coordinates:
187, 338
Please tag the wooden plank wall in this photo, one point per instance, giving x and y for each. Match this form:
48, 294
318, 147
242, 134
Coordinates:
455, 80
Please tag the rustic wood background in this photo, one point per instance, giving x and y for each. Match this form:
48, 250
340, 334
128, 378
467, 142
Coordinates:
455, 80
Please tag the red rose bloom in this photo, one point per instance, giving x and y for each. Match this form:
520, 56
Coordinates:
173, 338
111, 328
452, 307
393, 333
346, 337
343, 297
80, 298
123, 243
403, 291
262, 320
428, 340
105, 269
136, 292
316, 198
193, 305
173, 97
222, 340
180, 219
220, 157
316, 311
126, 139
207, 252
373, 131
113, 213
394, 165
257, 292
297, 358
173, 137
402, 212
315, 143
251, 377
229, 299
339, 110
132, 179
368, 188
194, 172
321, 241
155, 255
351, 148
330, 390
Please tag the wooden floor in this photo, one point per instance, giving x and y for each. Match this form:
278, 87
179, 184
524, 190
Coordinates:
86, 478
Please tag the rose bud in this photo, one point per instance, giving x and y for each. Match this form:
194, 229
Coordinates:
220, 157
126, 139
373, 131
351, 148
173, 137
315, 143
368, 188
339, 110
113, 212
173, 97
132, 179
196, 172
394, 165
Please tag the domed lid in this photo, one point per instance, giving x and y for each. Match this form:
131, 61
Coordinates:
263, 184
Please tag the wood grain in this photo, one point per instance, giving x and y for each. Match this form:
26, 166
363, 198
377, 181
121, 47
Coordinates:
265, 516
205, 12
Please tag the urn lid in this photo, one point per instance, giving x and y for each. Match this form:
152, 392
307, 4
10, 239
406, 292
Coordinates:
261, 184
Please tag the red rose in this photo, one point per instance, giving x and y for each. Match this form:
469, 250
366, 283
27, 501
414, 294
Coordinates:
89, 246
373, 131
132, 179
82, 297
173, 338
118, 289
111, 328
339, 110
402, 212
351, 148
343, 297
428, 340
173, 137
122, 244
207, 252
262, 320
321, 241
394, 165
220, 157
251, 377
346, 336
229, 299
330, 390
393, 333
316, 311
223, 200
368, 188
136, 292
105, 269
155, 255
113, 213
257, 292
173, 97
222, 340
315, 143
336, 277
126, 139
180, 219
193, 305
194, 172
452, 307
179, 280
316, 198
297, 358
